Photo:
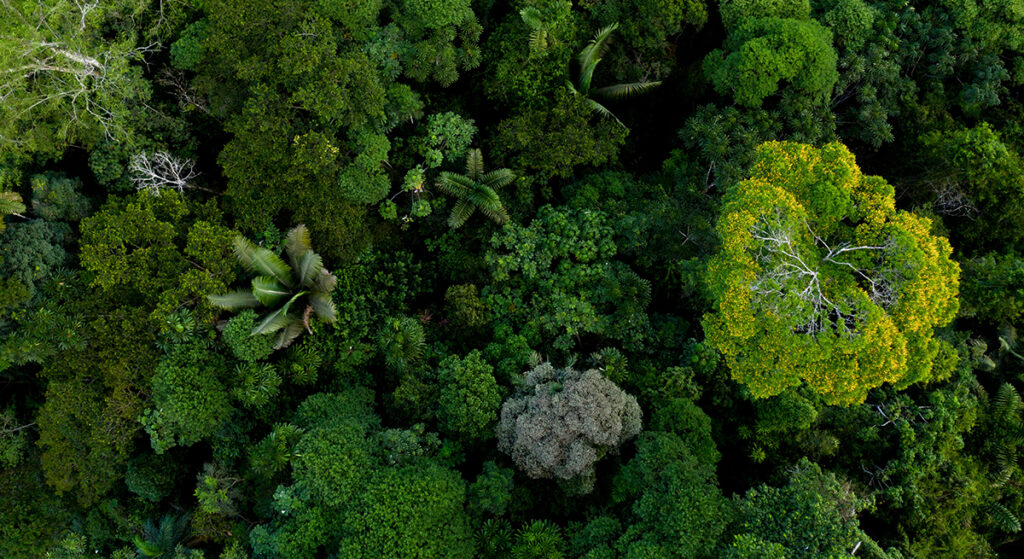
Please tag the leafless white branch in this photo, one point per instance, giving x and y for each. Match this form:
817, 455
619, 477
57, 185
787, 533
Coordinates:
154, 172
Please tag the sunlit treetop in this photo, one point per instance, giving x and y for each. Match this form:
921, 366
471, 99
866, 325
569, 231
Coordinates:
820, 279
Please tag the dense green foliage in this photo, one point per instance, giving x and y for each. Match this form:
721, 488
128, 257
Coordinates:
302, 279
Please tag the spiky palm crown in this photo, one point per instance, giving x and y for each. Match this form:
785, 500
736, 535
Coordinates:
475, 190
159, 540
589, 58
304, 284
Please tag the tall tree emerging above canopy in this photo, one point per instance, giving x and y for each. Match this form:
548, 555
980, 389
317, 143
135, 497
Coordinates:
820, 279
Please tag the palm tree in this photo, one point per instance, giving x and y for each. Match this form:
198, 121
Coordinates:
160, 540
475, 190
589, 57
306, 285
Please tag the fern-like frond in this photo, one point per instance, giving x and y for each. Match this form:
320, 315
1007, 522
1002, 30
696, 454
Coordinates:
538, 40
474, 164
488, 202
234, 300
309, 268
297, 244
268, 291
323, 306
498, 178
1006, 404
454, 184
262, 261
496, 214
1003, 518
461, 212
624, 90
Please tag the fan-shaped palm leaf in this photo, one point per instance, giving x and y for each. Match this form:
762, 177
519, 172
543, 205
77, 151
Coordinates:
268, 291
623, 90
474, 164
297, 244
277, 319
234, 300
262, 261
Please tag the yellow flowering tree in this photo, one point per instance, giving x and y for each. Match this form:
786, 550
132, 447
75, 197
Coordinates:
819, 279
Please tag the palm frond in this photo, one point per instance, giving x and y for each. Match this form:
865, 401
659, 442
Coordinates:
488, 202
287, 335
461, 212
323, 306
496, 214
277, 319
326, 282
454, 184
586, 75
297, 244
234, 300
624, 90
309, 268
262, 261
268, 291
596, 49
474, 164
603, 111
498, 178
